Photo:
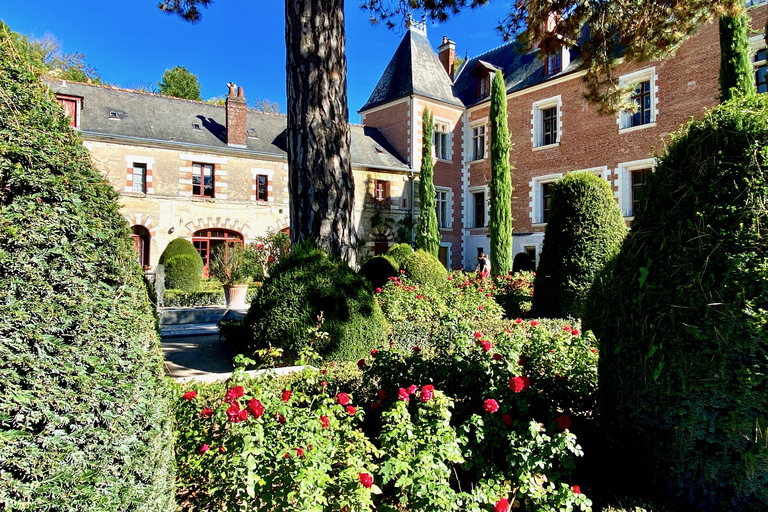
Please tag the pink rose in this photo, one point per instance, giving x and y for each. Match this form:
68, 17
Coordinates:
204, 448
403, 395
412, 389
516, 384
342, 398
491, 405
366, 480
501, 506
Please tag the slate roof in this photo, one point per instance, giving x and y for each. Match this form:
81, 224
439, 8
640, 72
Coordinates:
152, 118
413, 69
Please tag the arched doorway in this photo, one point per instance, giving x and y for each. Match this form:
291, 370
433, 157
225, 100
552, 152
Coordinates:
205, 240
140, 236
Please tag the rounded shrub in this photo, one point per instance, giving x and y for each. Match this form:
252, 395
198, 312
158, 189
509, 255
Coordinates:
681, 315
302, 286
85, 418
183, 247
523, 262
426, 270
584, 230
399, 253
379, 269
181, 273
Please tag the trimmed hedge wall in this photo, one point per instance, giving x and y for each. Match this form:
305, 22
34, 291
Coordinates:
681, 316
85, 419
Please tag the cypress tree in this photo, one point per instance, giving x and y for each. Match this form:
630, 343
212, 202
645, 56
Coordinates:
501, 181
736, 71
427, 235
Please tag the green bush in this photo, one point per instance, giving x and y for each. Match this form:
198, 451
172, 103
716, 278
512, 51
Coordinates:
379, 269
425, 269
85, 420
181, 273
584, 230
523, 262
305, 284
400, 253
181, 299
182, 247
681, 317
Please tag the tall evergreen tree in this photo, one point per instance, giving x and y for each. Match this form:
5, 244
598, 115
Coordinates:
427, 235
736, 73
501, 181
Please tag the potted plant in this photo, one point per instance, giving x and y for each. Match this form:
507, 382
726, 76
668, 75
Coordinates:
233, 265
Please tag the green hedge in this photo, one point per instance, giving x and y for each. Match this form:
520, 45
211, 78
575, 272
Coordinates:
85, 420
681, 317
184, 273
399, 253
425, 269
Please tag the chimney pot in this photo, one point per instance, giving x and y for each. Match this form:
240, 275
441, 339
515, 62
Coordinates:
240, 93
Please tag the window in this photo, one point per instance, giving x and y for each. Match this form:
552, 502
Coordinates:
381, 198
644, 98
140, 236
206, 240
139, 181
202, 180
759, 63
541, 193
441, 199
630, 177
546, 199
478, 199
261, 188
546, 122
71, 106
554, 63
483, 85
442, 141
478, 142
638, 180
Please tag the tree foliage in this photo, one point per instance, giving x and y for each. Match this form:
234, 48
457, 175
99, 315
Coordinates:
681, 316
638, 31
180, 83
736, 72
84, 418
427, 234
501, 180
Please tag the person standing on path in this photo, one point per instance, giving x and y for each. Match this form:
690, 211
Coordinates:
483, 266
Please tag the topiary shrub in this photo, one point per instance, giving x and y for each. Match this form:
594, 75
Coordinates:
584, 230
523, 262
400, 253
182, 247
424, 269
84, 416
181, 273
379, 269
681, 317
306, 283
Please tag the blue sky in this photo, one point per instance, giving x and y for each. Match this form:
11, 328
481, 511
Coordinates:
131, 42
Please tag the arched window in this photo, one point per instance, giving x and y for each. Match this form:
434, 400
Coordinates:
141, 241
205, 240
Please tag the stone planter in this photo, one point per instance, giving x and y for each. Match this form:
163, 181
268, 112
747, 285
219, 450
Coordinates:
235, 295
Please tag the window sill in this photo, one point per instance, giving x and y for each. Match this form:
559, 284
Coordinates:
548, 146
443, 160
638, 127
538, 224
477, 160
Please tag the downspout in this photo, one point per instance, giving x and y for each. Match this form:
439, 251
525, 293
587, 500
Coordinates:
413, 185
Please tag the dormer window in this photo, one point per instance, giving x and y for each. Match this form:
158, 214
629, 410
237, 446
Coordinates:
483, 72
554, 63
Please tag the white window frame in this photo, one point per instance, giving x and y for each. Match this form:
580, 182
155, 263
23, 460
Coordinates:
474, 126
756, 44
447, 137
448, 206
537, 122
624, 183
536, 195
148, 162
471, 202
624, 120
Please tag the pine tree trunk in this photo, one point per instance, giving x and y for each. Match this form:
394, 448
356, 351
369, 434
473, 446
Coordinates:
320, 176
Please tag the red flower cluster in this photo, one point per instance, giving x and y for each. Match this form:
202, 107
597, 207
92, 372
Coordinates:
206, 412
577, 489
381, 394
342, 398
519, 384
497, 357
564, 421
255, 408
502, 505
286, 395
204, 448
325, 421
507, 419
402, 394
233, 394
491, 405
412, 389
189, 395
426, 393
351, 410
235, 414
486, 346
361, 363
366, 480
280, 419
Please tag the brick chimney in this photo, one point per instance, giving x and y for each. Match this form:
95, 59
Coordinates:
447, 54
236, 108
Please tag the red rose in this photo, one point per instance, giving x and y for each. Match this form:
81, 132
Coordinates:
381, 394
374, 352
426, 394
324, 372
361, 363
342, 398
280, 419
534, 323
491, 405
286, 455
366, 480
222, 449
255, 408
233, 394
416, 350
564, 421
402, 271
501, 506
593, 350
480, 290
450, 278
429, 387
519, 320
402, 394
300, 452
418, 296
375, 406
206, 412
478, 335
480, 307
204, 448
522, 361
378, 290
526, 382
577, 489
189, 395
412, 389
324, 383
575, 332
497, 357
325, 421
516, 384
351, 410
486, 346
286, 395
309, 447
235, 415
509, 332
507, 419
